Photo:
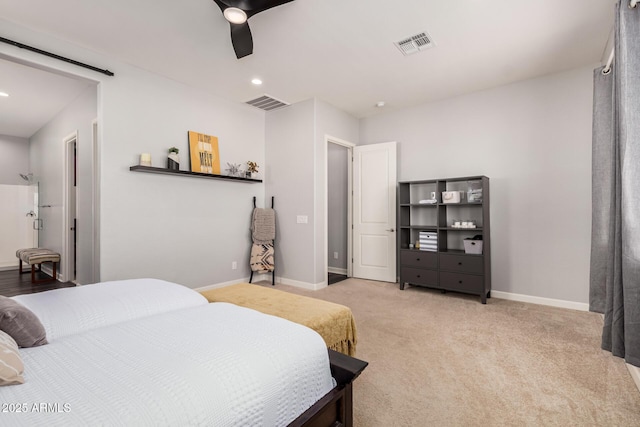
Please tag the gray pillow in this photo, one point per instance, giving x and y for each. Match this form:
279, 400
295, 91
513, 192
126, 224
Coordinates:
21, 324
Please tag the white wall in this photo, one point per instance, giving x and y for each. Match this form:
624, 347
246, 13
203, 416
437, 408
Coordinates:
296, 155
14, 159
47, 154
290, 179
533, 140
183, 229
330, 122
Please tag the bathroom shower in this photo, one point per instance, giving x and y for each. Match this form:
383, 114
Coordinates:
27, 177
19, 218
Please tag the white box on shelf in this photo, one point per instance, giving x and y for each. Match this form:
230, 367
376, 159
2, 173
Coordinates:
452, 196
472, 246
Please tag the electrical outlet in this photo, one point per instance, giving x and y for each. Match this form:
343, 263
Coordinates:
303, 219
335, 255
234, 265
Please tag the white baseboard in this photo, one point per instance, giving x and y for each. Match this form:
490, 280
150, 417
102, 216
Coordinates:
48, 269
635, 374
337, 270
303, 285
9, 264
266, 277
225, 284
540, 300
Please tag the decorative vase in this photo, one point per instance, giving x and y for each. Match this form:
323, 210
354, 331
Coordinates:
173, 161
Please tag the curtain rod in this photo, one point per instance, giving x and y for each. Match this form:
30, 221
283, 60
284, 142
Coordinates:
53, 55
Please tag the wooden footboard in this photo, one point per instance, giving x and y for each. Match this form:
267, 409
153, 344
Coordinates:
335, 409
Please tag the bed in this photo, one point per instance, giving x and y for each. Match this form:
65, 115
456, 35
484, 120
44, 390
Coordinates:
149, 352
334, 322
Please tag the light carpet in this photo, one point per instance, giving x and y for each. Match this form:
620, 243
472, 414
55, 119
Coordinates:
446, 360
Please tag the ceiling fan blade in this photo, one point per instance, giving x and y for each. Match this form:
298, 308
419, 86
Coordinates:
252, 7
241, 39
240, 33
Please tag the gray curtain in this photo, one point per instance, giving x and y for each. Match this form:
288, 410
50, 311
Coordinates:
615, 237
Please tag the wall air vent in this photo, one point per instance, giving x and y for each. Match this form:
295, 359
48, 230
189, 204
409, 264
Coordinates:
267, 103
415, 44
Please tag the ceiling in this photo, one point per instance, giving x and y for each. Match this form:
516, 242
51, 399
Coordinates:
340, 51
35, 97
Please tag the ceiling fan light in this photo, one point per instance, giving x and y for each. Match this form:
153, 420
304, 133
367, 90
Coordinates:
235, 15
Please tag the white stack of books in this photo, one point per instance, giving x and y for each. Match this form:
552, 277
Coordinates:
428, 241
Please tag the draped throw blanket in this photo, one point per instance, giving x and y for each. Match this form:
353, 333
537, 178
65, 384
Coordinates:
334, 322
615, 238
262, 258
263, 225
263, 233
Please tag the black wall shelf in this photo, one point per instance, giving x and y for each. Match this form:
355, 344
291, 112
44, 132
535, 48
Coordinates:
164, 171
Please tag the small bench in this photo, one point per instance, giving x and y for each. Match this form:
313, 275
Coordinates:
36, 256
334, 322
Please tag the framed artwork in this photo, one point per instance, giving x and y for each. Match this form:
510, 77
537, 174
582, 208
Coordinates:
204, 155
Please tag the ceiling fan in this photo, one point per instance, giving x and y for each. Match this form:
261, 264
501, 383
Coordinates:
237, 12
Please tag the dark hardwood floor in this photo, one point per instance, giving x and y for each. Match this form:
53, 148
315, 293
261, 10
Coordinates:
12, 283
335, 278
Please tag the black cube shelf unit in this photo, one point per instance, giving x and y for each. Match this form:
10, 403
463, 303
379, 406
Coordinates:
447, 268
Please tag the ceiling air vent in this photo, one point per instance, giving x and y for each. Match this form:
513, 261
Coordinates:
415, 44
267, 103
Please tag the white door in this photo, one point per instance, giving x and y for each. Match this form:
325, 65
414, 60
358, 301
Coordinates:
374, 212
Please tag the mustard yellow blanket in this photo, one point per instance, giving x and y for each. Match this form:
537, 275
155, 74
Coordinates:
334, 322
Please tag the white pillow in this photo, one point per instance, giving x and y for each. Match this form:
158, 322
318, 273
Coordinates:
70, 311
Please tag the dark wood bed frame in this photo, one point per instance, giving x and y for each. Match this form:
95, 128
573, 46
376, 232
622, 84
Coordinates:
335, 409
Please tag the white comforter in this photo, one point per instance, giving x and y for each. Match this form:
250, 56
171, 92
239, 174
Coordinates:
207, 365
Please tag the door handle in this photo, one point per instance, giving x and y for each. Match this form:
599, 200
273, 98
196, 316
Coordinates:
392, 230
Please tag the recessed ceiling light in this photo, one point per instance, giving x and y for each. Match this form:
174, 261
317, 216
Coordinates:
5, 94
235, 15
256, 81
380, 104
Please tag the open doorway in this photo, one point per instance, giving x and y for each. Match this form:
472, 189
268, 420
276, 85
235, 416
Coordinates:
53, 113
339, 200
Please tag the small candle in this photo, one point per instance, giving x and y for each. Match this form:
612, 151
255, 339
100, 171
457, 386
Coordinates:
145, 159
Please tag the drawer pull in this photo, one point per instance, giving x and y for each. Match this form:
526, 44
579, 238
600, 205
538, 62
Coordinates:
460, 281
418, 276
417, 259
460, 263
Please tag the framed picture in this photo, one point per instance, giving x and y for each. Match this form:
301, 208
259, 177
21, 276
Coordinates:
204, 155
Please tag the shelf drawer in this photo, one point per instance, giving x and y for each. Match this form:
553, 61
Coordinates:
420, 259
418, 276
462, 263
462, 282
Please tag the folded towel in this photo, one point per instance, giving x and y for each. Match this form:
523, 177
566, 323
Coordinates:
428, 202
263, 226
